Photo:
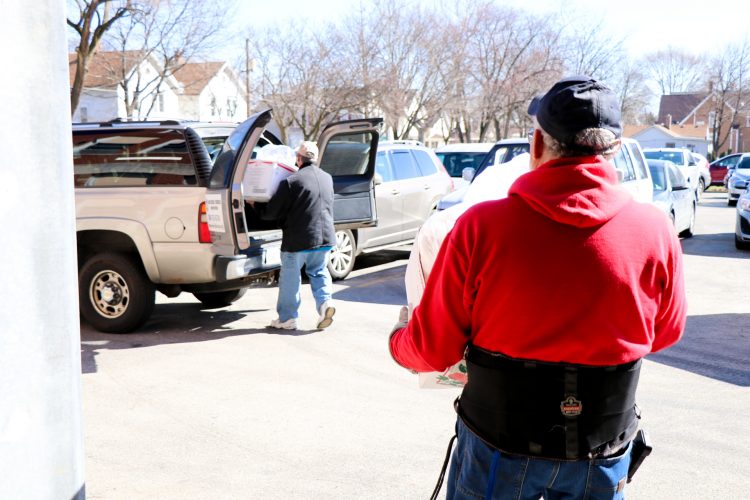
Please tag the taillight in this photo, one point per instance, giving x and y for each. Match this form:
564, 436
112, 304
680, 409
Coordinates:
204, 235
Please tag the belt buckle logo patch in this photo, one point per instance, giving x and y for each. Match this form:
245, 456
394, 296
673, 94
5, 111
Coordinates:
571, 407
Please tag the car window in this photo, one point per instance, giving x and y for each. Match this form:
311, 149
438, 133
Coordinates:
500, 154
744, 163
623, 164
657, 178
732, 161
214, 145
131, 158
514, 151
638, 161
347, 154
455, 163
425, 163
675, 157
383, 167
404, 166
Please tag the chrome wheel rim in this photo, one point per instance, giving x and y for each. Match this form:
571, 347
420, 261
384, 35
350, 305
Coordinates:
109, 294
343, 253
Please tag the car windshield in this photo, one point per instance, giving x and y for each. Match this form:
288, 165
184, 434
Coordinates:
744, 163
658, 178
456, 162
675, 157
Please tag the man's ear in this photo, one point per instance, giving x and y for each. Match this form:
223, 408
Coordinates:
537, 144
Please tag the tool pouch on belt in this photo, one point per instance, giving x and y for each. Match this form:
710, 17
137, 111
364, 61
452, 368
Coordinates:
549, 410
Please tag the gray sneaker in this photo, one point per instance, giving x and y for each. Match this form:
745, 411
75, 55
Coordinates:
290, 324
326, 315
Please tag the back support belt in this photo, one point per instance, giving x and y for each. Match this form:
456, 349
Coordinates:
549, 410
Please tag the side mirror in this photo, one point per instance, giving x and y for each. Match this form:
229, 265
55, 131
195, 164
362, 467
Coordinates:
378, 179
468, 173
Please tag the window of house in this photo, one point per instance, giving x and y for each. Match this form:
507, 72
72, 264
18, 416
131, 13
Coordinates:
131, 158
711, 119
231, 106
747, 120
84, 114
160, 102
213, 106
670, 145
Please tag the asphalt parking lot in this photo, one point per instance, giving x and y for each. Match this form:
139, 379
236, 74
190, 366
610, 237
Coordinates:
208, 403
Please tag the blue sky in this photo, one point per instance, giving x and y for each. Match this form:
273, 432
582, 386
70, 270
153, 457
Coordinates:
697, 26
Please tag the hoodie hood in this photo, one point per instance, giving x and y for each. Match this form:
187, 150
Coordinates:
580, 192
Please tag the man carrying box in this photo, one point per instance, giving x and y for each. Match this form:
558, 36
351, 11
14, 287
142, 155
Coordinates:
303, 207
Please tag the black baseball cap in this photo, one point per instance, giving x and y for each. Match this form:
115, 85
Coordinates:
576, 103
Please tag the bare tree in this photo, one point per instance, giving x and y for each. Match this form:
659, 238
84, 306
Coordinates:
167, 34
675, 70
629, 81
93, 19
730, 89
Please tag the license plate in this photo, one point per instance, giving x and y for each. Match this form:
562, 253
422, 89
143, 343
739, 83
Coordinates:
272, 256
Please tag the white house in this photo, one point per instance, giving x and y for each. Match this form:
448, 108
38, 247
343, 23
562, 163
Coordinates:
197, 91
211, 91
691, 137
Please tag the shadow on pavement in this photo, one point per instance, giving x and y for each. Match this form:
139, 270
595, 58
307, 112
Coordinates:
379, 287
715, 346
713, 245
213, 324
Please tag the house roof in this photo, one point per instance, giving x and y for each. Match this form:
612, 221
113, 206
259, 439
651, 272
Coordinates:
106, 69
678, 132
678, 105
631, 130
195, 76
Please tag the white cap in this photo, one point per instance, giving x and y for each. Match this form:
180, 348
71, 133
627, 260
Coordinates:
309, 150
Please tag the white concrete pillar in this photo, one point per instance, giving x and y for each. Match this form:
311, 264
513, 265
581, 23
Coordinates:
41, 440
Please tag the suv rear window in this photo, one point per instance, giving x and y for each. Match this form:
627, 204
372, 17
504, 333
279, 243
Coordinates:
129, 158
425, 163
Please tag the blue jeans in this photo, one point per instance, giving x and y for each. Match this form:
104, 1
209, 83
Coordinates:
479, 471
290, 280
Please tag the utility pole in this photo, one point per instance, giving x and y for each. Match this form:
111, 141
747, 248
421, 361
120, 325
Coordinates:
247, 75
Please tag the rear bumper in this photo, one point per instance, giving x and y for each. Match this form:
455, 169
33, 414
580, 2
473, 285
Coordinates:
257, 261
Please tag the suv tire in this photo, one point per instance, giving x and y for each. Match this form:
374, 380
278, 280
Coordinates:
212, 300
341, 260
114, 292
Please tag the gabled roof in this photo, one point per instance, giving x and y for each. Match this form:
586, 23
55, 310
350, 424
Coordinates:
631, 130
678, 105
678, 132
195, 76
106, 69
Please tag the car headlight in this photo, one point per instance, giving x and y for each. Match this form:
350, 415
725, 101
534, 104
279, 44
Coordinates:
744, 203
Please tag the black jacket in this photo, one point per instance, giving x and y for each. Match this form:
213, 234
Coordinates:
303, 208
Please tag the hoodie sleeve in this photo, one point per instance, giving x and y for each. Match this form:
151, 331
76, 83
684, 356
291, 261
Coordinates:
670, 320
436, 336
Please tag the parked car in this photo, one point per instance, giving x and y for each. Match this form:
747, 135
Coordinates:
738, 180
683, 159
409, 181
703, 169
457, 158
672, 194
633, 171
719, 168
155, 213
502, 152
742, 226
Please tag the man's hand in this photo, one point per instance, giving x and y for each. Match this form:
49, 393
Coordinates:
403, 319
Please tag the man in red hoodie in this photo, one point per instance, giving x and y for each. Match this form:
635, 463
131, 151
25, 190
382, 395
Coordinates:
553, 295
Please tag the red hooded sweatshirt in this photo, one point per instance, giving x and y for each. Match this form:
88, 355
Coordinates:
568, 268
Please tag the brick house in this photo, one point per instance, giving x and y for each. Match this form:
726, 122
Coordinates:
696, 111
